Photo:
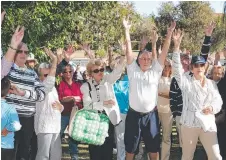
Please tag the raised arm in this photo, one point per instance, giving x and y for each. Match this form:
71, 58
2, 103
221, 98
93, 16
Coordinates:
177, 66
50, 82
117, 71
129, 52
154, 39
207, 42
166, 44
8, 58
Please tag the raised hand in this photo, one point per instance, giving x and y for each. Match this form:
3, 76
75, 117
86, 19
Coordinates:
143, 42
66, 56
217, 56
17, 37
87, 49
209, 28
154, 36
50, 54
126, 23
172, 27
177, 37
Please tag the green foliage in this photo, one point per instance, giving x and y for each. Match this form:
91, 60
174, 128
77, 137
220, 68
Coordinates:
55, 24
190, 16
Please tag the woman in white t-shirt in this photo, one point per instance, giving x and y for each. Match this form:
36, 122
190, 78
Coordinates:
164, 112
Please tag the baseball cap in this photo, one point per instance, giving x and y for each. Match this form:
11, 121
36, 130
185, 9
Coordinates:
198, 60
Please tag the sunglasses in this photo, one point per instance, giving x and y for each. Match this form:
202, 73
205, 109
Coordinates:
145, 59
98, 70
22, 51
67, 71
199, 65
45, 75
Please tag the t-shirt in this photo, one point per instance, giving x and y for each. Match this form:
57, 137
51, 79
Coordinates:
143, 92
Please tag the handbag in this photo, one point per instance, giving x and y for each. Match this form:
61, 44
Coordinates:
89, 126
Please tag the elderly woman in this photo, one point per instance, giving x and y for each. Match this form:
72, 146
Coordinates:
48, 114
98, 94
70, 96
201, 100
164, 111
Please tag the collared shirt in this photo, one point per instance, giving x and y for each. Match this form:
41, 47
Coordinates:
10, 121
143, 92
65, 90
47, 119
195, 96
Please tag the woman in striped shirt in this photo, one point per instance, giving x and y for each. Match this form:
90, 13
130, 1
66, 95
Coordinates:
201, 100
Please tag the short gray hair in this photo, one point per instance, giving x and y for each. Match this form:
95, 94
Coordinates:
43, 65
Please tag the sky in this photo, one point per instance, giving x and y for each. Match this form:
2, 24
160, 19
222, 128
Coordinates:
148, 7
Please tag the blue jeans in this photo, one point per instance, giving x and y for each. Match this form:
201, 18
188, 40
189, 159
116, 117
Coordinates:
73, 145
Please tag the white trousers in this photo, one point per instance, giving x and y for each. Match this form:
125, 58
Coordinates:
49, 146
209, 141
119, 134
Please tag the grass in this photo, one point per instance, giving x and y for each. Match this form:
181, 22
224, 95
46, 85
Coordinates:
174, 155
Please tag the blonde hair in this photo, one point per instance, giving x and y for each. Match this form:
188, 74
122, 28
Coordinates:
92, 63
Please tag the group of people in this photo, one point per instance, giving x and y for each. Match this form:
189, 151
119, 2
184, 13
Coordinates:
150, 90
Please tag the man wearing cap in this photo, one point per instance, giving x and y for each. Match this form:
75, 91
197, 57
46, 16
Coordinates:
142, 118
201, 100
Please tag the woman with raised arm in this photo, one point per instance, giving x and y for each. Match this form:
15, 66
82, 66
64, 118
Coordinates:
98, 95
201, 100
142, 119
48, 113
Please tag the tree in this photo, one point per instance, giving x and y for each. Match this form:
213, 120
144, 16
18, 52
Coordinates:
56, 24
190, 16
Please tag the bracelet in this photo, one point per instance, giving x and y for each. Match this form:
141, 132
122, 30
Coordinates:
12, 48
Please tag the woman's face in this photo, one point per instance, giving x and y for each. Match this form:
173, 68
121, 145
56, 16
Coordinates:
167, 69
97, 72
198, 69
68, 73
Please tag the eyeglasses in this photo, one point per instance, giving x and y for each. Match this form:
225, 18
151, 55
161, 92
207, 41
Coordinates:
199, 65
45, 75
22, 51
67, 71
145, 59
98, 70
168, 66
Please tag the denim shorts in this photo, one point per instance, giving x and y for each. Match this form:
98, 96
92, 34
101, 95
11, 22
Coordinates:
138, 125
